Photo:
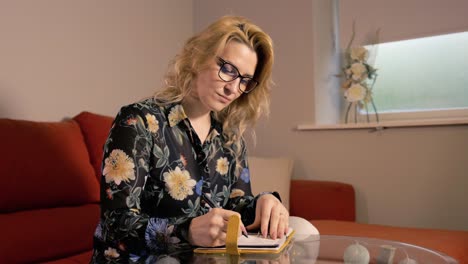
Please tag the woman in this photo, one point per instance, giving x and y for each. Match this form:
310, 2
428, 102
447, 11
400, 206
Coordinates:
175, 166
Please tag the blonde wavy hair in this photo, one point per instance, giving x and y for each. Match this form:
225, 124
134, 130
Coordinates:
200, 50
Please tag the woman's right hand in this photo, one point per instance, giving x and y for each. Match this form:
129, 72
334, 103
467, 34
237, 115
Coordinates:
209, 230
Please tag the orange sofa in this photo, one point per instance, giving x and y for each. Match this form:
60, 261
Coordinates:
49, 203
331, 209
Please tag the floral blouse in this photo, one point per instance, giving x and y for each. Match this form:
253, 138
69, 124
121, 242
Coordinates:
155, 172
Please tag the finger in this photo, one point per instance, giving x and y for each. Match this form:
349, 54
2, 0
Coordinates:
224, 227
265, 218
242, 230
255, 224
274, 221
220, 240
282, 226
218, 223
214, 235
225, 215
286, 221
218, 217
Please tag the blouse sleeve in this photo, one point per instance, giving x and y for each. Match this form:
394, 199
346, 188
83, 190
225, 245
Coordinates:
124, 227
241, 198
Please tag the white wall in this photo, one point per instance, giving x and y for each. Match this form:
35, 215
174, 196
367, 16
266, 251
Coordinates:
60, 57
414, 177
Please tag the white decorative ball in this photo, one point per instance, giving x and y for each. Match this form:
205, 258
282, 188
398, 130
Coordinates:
167, 260
408, 261
302, 226
356, 254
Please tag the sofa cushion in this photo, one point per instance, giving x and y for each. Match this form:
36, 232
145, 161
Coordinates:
322, 200
271, 174
44, 165
452, 243
95, 130
78, 258
47, 234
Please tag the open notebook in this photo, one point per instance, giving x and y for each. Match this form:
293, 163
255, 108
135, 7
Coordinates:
254, 244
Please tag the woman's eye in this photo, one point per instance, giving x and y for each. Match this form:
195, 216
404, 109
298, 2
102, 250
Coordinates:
229, 69
245, 82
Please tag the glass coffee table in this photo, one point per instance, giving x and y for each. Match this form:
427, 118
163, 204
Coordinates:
327, 249
346, 249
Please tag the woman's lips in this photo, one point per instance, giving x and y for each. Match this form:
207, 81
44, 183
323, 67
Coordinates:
224, 99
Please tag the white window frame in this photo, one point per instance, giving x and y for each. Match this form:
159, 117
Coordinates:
426, 114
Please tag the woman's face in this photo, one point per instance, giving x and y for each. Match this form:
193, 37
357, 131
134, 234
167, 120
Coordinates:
214, 94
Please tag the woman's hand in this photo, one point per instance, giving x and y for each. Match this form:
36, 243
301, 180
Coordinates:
209, 230
271, 216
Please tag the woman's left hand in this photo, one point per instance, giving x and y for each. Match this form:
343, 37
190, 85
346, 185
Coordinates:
271, 216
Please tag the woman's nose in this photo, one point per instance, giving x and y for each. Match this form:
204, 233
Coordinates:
232, 86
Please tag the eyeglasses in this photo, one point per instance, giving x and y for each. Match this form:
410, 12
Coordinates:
228, 73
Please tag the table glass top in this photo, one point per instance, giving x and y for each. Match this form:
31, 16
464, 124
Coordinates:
337, 249
344, 249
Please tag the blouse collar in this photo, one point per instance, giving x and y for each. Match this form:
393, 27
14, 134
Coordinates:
175, 114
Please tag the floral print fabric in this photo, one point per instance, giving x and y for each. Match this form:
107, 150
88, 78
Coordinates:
155, 170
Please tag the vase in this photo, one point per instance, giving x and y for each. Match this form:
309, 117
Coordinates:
358, 112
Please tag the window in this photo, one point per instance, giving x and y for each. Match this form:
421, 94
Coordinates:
422, 78
422, 63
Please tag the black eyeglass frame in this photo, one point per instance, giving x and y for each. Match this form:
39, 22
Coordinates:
221, 65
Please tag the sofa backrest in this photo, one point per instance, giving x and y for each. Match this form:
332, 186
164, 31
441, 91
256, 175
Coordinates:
95, 129
313, 200
49, 198
44, 165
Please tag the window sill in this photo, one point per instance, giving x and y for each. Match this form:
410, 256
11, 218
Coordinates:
386, 124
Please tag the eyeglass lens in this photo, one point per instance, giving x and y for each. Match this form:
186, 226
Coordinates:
229, 72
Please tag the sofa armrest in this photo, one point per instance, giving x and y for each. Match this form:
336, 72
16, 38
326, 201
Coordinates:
312, 200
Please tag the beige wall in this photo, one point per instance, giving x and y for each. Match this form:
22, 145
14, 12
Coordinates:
405, 177
60, 57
